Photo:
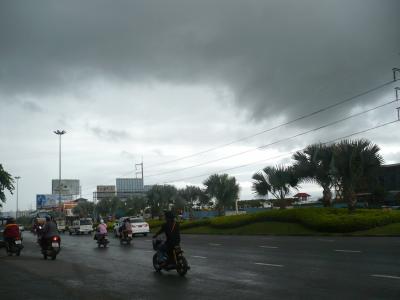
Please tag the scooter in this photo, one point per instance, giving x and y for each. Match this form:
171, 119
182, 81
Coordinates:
102, 240
126, 237
51, 247
14, 246
160, 259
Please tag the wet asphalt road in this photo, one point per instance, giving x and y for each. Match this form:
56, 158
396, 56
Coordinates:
223, 267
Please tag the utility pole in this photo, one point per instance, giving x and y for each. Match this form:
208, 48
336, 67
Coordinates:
396, 71
16, 212
141, 172
59, 133
397, 89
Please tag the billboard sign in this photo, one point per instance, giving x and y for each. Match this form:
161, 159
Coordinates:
48, 201
69, 187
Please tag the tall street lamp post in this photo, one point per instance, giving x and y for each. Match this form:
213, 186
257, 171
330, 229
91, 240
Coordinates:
59, 133
16, 213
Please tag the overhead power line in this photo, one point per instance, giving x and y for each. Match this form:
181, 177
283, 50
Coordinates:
280, 125
275, 142
282, 155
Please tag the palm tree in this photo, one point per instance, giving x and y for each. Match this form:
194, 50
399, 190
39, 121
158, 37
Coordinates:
84, 209
6, 183
224, 189
357, 164
277, 181
191, 194
160, 197
316, 164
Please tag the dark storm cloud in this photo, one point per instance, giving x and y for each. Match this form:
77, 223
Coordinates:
278, 57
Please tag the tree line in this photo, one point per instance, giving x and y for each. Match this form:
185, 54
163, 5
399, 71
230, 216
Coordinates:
348, 167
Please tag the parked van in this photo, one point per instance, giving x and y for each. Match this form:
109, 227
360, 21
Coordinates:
81, 226
60, 225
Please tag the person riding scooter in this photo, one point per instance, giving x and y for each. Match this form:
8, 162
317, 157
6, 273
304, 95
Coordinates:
11, 232
172, 232
101, 231
126, 228
49, 230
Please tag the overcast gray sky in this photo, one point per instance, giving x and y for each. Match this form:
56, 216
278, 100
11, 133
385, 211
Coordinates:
165, 79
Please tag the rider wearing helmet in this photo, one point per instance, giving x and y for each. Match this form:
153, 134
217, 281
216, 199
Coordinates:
126, 228
172, 233
101, 230
11, 231
49, 230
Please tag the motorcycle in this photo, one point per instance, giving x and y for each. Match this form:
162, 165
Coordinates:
51, 247
102, 240
160, 259
126, 237
14, 246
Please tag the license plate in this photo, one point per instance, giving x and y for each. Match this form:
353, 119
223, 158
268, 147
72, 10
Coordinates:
54, 245
18, 242
130, 235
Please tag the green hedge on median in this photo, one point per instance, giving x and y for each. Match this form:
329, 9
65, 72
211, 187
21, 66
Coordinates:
320, 219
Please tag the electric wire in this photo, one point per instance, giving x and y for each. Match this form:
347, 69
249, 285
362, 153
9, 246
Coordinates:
282, 155
275, 142
280, 125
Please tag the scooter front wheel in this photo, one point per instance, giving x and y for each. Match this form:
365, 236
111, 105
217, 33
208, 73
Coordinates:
155, 263
182, 266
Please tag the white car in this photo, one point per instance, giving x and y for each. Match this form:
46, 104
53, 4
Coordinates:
139, 226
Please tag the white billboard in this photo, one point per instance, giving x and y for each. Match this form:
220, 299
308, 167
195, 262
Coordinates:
69, 187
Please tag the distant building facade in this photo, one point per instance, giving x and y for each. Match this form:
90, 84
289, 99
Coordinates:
104, 192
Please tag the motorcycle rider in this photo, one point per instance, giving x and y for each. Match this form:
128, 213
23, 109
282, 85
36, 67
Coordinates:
49, 230
101, 230
11, 232
126, 228
172, 233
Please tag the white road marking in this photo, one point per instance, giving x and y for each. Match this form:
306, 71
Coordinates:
198, 256
385, 276
269, 247
325, 240
213, 244
348, 251
269, 265
148, 251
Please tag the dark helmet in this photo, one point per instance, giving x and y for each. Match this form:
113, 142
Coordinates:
127, 220
169, 215
48, 218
